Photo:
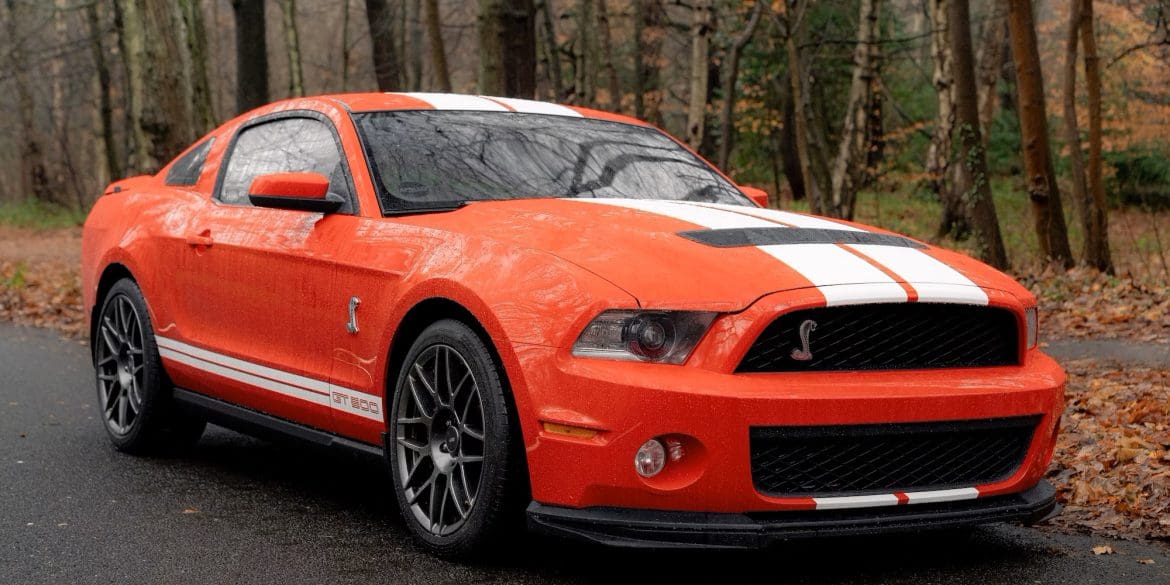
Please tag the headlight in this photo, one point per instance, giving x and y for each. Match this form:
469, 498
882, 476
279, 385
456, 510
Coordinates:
651, 336
1032, 327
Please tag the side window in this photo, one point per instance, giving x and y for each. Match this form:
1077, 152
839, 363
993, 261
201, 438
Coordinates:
287, 145
185, 172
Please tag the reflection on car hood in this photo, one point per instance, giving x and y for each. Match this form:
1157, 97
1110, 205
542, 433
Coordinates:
671, 254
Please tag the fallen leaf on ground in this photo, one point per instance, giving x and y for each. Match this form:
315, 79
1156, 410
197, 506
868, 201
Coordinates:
1104, 549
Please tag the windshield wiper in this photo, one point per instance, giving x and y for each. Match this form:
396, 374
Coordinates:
438, 208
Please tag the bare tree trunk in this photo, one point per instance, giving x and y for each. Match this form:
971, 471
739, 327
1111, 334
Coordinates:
611, 76
648, 35
1096, 252
251, 55
158, 67
954, 220
788, 149
731, 76
849, 166
345, 48
585, 62
204, 113
414, 24
552, 52
292, 44
639, 61
33, 173
990, 59
700, 72
387, 67
438, 50
1041, 176
520, 56
813, 174
1072, 134
507, 48
105, 103
972, 179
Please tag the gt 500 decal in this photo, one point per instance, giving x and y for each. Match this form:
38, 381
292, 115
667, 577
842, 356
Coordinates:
280, 382
358, 404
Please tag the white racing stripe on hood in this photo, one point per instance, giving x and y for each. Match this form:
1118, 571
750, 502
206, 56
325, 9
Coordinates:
824, 265
935, 281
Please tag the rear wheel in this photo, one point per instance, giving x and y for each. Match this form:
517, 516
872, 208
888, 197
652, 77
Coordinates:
134, 395
453, 452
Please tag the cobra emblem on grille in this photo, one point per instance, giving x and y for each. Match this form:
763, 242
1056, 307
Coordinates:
803, 354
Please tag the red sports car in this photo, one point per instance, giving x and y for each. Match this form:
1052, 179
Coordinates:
543, 311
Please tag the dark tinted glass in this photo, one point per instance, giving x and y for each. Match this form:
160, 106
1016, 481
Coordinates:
185, 172
429, 159
289, 145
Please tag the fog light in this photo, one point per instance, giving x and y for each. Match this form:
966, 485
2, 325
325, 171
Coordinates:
650, 458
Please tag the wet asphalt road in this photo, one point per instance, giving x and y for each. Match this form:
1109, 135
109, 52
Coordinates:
238, 510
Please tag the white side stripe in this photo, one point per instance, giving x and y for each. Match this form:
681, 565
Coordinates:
451, 101
277, 381
535, 107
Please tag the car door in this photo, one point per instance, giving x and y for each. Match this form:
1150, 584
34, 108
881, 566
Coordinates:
256, 282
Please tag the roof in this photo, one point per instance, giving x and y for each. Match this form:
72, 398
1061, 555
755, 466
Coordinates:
374, 102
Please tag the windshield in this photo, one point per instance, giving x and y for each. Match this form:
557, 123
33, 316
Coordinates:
431, 159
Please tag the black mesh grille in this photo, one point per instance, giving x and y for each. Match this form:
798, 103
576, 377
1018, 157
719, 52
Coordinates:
887, 337
884, 458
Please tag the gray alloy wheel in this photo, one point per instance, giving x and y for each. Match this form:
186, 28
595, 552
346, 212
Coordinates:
440, 439
455, 456
134, 393
120, 365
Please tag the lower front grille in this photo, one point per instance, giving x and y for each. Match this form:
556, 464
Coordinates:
884, 458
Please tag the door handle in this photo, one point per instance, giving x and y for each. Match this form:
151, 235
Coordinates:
200, 240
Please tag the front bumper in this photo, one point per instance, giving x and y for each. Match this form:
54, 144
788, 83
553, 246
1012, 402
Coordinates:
626, 527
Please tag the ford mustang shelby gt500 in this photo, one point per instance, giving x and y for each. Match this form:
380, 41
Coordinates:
547, 312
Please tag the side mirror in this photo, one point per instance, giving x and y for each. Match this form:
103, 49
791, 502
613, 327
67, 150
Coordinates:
759, 196
297, 191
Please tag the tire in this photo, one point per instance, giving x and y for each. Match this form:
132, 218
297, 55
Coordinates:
457, 470
134, 393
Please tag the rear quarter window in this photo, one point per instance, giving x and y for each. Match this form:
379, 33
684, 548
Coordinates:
186, 170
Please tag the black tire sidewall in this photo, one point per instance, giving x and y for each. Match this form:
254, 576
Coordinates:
492, 498
156, 408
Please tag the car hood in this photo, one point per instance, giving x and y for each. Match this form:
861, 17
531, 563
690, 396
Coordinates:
686, 255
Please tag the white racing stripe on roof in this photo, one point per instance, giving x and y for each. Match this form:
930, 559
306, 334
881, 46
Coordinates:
535, 107
824, 265
277, 381
452, 101
934, 280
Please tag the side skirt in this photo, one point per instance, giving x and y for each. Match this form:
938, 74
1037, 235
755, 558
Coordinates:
258, 424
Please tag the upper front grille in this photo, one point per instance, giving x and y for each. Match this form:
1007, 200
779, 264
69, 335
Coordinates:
885, 458
897, 336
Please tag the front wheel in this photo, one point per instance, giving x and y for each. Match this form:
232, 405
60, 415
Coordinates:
133, 392
453, 449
